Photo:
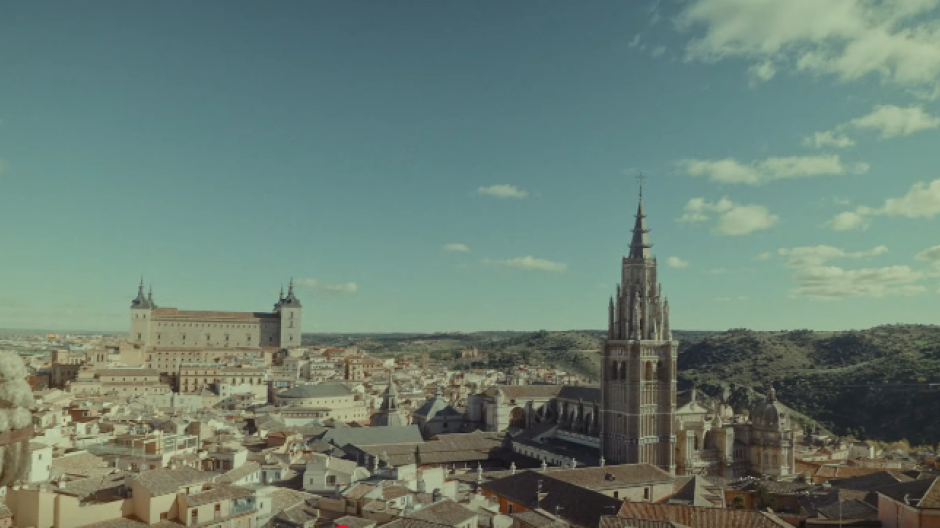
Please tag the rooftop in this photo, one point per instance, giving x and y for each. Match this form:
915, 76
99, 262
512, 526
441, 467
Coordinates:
165, 481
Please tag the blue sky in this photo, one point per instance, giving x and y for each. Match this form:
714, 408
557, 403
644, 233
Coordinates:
220, 148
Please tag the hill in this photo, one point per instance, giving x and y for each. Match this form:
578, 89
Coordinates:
871, 383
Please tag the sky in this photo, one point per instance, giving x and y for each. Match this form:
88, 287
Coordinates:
421, 166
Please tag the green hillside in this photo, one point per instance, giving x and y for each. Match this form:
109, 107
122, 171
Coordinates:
871, 383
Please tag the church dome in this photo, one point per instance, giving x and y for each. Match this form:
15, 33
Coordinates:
771, 414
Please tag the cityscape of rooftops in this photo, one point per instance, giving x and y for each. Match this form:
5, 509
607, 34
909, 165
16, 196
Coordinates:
366, 264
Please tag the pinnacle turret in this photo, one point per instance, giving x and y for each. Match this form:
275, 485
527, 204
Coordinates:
640, 245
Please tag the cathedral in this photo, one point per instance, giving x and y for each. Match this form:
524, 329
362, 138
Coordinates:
639, 419
633, 416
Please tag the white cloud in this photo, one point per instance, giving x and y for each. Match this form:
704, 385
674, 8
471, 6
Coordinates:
696, 209
762, 72
733, 219
463, 248
817, 279
763, 256
809, 256
849, 39
676, 262
921, 201
827, 139
931, 255
317, 287
503, 191
841, 201
834, 283
730, 170
347, 288
888, 120
849, 221
529, 263
893, 121
634, 42
745, 219
658, 51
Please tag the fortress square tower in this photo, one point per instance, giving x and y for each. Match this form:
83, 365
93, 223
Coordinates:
157, 328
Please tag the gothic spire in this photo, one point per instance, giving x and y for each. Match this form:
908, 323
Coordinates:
640, 245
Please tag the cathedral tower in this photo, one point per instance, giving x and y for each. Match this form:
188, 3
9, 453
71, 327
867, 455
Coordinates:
638, 370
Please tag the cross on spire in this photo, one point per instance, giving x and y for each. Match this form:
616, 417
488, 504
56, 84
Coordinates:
640, 178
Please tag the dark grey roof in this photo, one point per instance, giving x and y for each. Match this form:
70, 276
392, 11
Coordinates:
321, 390
388, 418
866, 482
364, 436
436, 406
587, 393
577, 505
852, 509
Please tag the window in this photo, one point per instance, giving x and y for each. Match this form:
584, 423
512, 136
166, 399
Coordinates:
218, 510
616, 494
646, 494
163, 516
331, 480
194, 517
510, 508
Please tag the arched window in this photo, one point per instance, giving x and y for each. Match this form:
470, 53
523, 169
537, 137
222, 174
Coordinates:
649, 370
695, 441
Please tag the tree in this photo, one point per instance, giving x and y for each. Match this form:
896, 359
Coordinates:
738, 502
764, 498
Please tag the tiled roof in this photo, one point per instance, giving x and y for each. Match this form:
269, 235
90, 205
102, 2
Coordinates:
365, 436
241, 472
853, 509
534, 518
300, 514
696, 491
354, 522
358, 491
696, 517
914, 491
866, 482
163, 481
216, 494
411, 523
444, 512
84, 464
619, 476
931, 498
577, 505
173, 314
834, 471
284, 498
620, 522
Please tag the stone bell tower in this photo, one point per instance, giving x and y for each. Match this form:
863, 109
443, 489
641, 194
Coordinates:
638, 369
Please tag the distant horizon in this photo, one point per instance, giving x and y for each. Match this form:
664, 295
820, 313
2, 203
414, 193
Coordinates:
112, 332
